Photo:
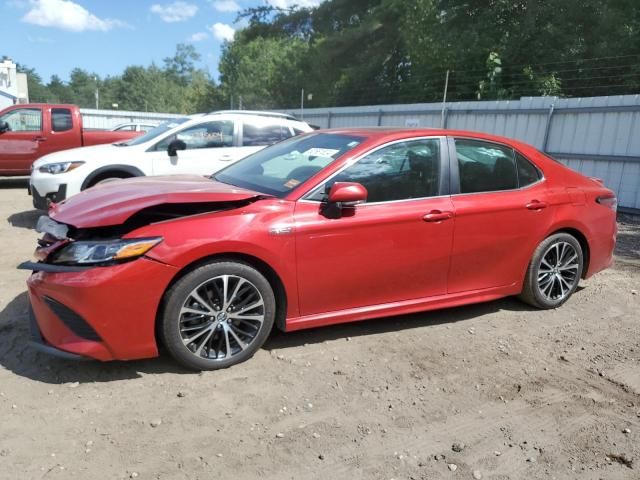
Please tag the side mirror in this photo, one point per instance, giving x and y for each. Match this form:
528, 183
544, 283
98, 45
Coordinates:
174, 146
343, 196
4, 126
348, 194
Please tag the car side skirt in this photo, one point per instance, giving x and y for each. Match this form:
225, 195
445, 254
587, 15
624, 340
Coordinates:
402, 308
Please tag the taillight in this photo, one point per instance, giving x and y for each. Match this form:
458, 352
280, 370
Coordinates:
609, 201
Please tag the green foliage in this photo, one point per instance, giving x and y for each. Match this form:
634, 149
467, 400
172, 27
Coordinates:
265, 72
395, 51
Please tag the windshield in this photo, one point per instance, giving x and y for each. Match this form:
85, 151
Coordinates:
277, 170
151, 134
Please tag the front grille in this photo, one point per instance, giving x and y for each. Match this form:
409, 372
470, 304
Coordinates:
72, 320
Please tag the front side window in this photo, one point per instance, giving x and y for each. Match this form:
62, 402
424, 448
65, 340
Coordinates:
400, 171
214, 134
485, 166
254, 135
61, 120
24, 120
279, 169
155, 132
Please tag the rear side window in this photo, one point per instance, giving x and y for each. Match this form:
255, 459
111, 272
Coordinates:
527, 172
254, 135
485, 166
61, 120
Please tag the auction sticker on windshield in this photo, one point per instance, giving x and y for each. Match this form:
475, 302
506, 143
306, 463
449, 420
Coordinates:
320, 152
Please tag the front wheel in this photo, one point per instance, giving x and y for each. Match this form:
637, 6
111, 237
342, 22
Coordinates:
554, 272
218, 315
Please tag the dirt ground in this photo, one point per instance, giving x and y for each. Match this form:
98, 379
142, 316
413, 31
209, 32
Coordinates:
523, 394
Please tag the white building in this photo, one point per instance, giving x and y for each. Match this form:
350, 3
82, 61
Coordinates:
13, 85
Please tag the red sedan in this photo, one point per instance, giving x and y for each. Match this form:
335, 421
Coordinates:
330, 227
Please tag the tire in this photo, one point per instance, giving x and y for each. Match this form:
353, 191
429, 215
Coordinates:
105, 180
203, 332
550, 281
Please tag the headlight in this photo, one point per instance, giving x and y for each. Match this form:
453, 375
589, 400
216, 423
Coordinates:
62, 167
96, 252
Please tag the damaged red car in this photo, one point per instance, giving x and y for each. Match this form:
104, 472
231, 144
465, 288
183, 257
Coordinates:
329, 227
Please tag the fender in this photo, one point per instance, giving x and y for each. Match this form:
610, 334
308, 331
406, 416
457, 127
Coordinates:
133, 171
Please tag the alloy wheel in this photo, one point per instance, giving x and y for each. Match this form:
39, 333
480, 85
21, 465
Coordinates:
558, 271
221, 317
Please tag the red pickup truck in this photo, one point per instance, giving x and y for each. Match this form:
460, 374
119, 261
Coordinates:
28, 132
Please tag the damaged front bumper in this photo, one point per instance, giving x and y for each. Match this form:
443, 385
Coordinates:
103, 313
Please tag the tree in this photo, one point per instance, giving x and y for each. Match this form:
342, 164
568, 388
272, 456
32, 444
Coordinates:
265, 72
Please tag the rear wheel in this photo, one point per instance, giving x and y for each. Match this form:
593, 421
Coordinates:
217, 315
554, 272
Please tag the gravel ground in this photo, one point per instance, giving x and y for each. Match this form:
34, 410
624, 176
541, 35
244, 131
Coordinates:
493, 391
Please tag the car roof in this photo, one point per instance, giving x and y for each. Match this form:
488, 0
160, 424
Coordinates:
387, 134
256, 113
246, 114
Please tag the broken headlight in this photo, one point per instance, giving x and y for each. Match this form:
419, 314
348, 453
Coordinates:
103, 251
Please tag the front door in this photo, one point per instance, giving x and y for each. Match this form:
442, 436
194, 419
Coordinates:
394, 247
22, 144
211, 146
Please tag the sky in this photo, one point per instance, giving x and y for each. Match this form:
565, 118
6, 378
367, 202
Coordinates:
105, 36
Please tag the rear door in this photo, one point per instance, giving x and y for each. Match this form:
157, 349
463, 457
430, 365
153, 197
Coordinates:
502, 213
211, 145
63, 130
24, 142
395, 247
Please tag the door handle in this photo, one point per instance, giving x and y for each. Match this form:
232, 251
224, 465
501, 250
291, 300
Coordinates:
536, 205
437, 216
226, 158
40, 139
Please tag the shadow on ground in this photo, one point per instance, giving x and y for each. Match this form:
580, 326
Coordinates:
14, 182
26, 219
628, 243
17, 356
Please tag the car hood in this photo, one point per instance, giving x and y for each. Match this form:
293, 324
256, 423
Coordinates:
115, 202
83, 154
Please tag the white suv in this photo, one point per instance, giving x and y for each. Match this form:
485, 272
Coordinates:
201, 144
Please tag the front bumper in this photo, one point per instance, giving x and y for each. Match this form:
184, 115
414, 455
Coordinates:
38, 343
104, 313
42, 202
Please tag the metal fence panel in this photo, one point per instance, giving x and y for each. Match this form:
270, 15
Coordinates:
106, 119
598, 136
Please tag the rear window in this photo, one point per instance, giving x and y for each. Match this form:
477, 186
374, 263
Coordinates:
61, 119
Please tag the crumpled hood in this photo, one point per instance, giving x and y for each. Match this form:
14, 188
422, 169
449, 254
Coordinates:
114, 202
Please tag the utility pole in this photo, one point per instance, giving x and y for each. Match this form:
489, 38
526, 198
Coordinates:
302, 104
240, 103
97, 94
444, 99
